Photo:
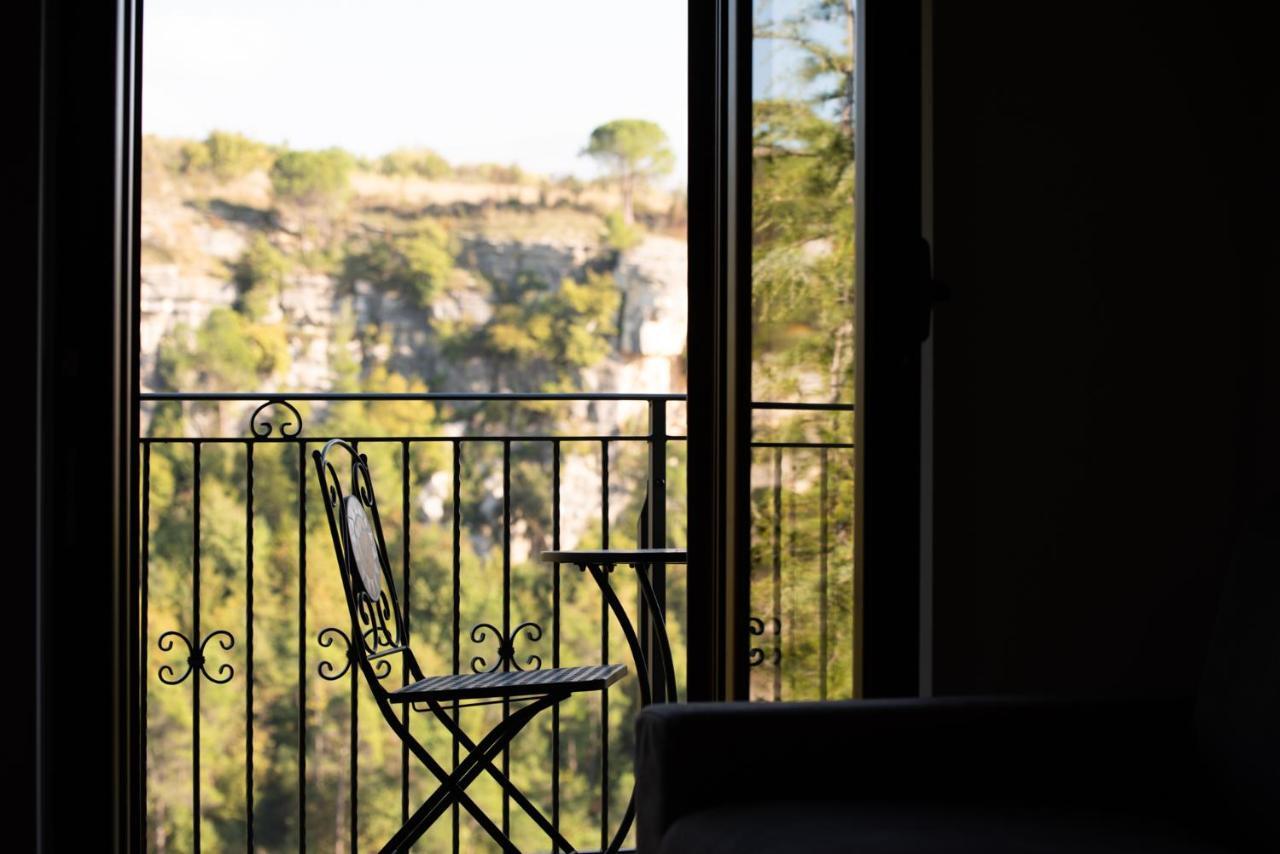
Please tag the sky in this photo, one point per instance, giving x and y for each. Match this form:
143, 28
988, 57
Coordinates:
505, 81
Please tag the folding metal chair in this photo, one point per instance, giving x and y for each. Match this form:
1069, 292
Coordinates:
378, 634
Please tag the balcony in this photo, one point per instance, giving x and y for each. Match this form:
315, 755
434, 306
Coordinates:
255, 732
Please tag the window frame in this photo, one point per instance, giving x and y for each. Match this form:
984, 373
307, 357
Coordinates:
889, 289
87, 189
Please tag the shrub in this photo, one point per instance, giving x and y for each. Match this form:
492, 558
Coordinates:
416, 263
193, 157
224, 154
228, 352
618, 233
259, 273
423, 163
232, 155
312, 177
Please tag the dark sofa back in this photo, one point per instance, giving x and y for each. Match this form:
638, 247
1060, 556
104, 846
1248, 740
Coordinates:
1238, 710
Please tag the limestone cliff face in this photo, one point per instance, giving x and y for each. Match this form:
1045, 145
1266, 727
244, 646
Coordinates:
190, 244
648, 353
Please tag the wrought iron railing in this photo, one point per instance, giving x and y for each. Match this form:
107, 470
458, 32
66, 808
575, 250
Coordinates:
778, 564
183, 654
246, 619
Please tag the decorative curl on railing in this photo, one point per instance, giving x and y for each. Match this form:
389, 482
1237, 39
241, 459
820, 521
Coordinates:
506, 646
756, 655
196, 659
262, 429
329, 671
326, 639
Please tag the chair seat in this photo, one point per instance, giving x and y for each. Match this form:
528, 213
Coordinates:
496, 685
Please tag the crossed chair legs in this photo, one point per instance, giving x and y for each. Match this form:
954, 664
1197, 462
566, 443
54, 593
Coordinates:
479, 758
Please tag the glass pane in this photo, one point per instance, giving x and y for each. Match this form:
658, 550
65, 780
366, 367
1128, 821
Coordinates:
803, 329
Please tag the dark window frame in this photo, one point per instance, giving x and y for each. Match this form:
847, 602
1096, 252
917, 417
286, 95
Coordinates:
889, 291
85, 580
87, 189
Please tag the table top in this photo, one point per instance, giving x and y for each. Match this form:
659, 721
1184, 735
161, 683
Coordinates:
616, 556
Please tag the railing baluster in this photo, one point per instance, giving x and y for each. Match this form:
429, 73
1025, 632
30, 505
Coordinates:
792, 552
822, 579
144, 681
656, 520
196, 636
777, 572
856, 629
404, 663
248, 634
302, 646
555, 640
506, 617
457, 608
604, 651
353, 780
353, 734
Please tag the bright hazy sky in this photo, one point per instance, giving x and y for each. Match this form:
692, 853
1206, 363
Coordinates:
504, 81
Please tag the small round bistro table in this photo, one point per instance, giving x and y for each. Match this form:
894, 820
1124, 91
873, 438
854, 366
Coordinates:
656, 685
657, 678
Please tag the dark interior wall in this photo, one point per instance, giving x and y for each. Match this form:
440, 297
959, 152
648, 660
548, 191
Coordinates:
1106, 366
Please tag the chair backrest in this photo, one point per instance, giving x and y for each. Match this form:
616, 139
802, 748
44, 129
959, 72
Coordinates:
377, 623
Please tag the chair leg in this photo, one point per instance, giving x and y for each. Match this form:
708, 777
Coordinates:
468, 769
507, 786
448, 785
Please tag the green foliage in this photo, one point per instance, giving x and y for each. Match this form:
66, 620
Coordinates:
232, 155
422, 162
638, 146
228, 352
260, 274
803, 213
193, 157
633, 151
225, 155
618, 233
312, 178
540, 338
417, 263
802, 276
280, 635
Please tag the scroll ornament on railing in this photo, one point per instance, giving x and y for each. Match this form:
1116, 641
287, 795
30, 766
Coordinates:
328, 671
756, 655
288, 429
196, 659
506, 646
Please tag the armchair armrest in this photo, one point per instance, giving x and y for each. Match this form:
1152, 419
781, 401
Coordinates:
694, 756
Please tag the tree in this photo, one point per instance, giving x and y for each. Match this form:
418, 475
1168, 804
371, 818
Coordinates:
803, 206
802, 280
633, 151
